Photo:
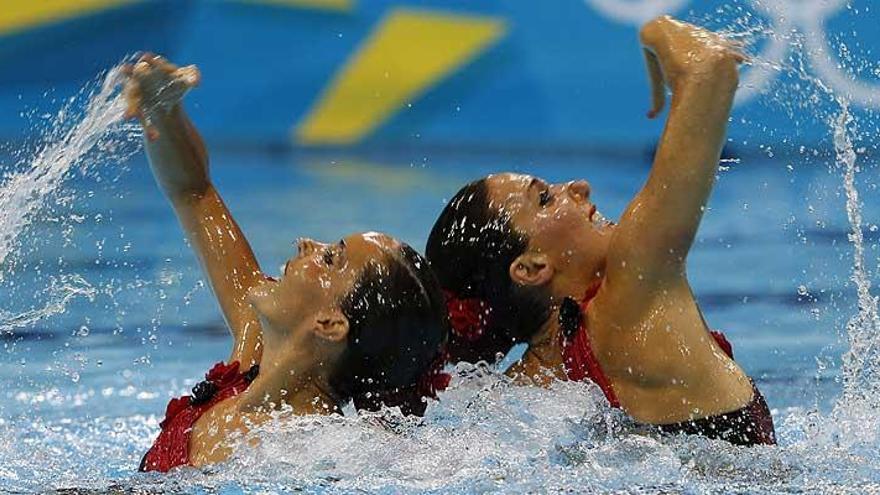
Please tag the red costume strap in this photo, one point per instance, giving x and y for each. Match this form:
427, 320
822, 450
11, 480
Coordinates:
580, 364
171, 447
723, 343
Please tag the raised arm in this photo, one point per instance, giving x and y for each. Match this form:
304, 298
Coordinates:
658, 227
180, 165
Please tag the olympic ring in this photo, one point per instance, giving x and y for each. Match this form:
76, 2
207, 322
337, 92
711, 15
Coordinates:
856, 91
807, 17
636, 12
762, 73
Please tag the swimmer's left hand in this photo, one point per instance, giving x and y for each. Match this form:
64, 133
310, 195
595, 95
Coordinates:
154, 87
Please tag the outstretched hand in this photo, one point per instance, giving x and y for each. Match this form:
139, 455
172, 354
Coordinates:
154, 87
677, 52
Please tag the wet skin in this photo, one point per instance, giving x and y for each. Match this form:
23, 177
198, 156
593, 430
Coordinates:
304, 335
645, 326
293, 326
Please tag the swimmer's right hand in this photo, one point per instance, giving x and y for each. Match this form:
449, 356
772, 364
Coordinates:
679, 53
154, 87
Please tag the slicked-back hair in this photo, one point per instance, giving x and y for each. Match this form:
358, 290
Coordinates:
397, 330
471, 248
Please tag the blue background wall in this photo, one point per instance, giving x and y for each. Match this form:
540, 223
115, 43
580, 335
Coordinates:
561, 75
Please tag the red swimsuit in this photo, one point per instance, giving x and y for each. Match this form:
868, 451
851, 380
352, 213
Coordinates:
171, 448
750, 425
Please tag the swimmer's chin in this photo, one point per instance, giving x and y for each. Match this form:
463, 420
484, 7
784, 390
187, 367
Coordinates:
598, 220
601, 222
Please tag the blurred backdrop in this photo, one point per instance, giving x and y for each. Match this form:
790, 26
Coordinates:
561, 75
325, 117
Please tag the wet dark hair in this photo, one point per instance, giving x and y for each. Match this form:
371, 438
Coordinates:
397, 331
470, 250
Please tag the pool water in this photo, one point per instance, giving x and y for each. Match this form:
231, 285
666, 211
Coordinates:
105, 318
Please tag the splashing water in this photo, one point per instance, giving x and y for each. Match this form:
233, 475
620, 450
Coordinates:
814, 73
859, 401
853, 426
61, 290
22, 195
76, 141
485, 435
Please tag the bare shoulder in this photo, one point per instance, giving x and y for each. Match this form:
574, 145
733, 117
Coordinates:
629, 299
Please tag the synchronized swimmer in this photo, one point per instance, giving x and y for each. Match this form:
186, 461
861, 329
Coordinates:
524, 261
511, 259
359, 320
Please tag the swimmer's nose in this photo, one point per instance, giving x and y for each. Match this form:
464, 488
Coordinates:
579, 190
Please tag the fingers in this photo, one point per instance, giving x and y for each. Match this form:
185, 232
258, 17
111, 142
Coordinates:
140, 68
150, 66
158, 81
133, 111
651, 32
733, 47
189, 75
658, 85
675, 51
133, 107
149, 63
153, 87
155, 60
738, 55
133, 93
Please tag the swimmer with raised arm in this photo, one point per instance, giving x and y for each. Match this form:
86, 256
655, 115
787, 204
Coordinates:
525, 261
362, 319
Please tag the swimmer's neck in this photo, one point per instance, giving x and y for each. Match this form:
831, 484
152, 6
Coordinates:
544, 345
542, 361
290, 380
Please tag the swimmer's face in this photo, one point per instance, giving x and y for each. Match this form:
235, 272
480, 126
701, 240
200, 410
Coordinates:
313, 283
562, 223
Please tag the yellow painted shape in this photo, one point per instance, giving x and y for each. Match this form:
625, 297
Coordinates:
406, 54
333, 5
23, 14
